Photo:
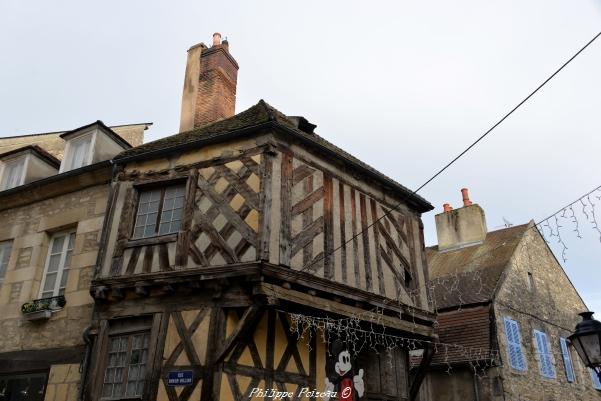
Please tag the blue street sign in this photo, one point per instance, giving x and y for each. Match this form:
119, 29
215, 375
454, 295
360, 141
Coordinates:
180, 378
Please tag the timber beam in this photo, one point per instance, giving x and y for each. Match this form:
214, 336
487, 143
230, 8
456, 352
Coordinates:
278, 280
244, 328
274, 294
421, 371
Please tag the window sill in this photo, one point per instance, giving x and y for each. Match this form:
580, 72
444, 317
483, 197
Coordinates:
38, 315
43, 308
161, 239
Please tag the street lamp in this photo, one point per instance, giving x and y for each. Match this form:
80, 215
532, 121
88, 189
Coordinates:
587, 341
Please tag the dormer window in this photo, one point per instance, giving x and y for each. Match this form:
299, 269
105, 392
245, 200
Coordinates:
77, 152
90, 144
23, 165
13, 173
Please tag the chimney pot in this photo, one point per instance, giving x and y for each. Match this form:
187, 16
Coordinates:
463, 227
216, 39
466, 197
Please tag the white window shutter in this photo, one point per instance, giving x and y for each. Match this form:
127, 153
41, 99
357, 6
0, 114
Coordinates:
595, 379
514, 345
545, 362
567, 360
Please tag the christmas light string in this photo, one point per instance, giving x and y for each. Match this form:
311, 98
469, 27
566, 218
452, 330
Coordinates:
449, 285
358, 338
460, 155
479, 359
550, 227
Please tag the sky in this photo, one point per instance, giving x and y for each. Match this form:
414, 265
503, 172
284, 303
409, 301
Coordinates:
404, 86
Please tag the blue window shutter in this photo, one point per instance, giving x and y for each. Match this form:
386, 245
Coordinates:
514, 345
595, 378
567, 360
544, 355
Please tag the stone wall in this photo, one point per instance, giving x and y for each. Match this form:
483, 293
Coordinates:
462, 383
549, 303
63, 383
30, 229
54, 144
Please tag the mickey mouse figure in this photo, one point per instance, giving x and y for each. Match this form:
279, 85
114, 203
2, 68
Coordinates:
341, 376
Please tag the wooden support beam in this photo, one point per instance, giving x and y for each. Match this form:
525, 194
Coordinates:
272, 291
142, 290
421, 372
245, 326
117, 293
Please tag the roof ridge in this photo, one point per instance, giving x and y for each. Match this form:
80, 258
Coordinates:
67, 130
268, 109
260, 115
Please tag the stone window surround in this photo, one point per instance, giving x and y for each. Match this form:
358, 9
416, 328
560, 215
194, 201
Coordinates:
44, 247
530, 283
61, 268
5, 255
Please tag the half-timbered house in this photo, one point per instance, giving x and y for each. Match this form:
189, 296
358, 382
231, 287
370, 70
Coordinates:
214, 236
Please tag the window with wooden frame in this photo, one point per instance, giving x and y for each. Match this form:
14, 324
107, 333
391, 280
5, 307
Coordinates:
127, 356
58, 262
159, 211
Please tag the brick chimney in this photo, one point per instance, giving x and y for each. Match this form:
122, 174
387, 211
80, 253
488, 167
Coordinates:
458, 228
209, 93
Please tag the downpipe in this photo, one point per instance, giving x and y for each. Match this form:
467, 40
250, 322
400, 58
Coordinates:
83, 370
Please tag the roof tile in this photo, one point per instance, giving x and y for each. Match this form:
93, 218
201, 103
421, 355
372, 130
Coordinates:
257, 115
470, 275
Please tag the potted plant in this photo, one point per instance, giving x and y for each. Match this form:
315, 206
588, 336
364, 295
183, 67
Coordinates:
41, 309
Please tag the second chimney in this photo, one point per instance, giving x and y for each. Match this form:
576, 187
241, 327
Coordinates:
458, 228
209, 93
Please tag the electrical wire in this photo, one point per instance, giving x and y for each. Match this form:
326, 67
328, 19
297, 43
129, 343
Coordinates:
449, 164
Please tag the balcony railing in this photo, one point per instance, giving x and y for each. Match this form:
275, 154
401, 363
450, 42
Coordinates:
42, 308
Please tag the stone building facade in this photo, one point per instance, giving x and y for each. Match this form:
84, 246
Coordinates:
504, 297
49, 239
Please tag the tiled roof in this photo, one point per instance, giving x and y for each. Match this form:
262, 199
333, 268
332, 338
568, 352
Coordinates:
257, 116
470, 275
469, 332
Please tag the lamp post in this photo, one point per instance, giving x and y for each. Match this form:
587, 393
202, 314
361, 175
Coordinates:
587, 341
